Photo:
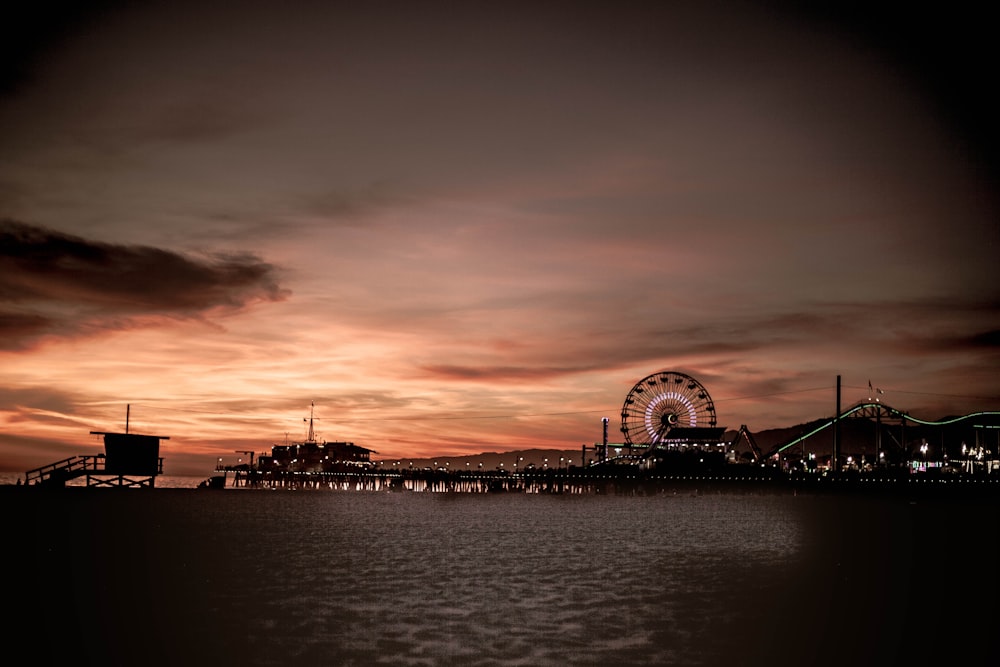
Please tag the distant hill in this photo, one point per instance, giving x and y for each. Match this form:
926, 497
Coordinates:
858, 437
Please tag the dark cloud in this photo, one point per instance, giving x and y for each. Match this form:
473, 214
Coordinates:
22, 326
30, 29
495, 373
27, 452
53, 283
945, 55
987, 339
913, 326
949, 343
39, 398
357, 203
918, 329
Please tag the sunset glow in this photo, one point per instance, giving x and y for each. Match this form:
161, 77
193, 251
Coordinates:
459, 231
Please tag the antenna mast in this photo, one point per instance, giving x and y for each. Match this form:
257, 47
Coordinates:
312, 434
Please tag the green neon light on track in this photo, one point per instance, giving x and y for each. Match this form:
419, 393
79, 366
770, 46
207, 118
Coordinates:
891, 411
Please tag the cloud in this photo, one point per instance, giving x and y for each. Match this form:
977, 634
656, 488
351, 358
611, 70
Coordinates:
496, 373
57, 284
35, 399
794, 340
986, 339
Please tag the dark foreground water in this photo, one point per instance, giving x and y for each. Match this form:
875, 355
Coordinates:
194, 577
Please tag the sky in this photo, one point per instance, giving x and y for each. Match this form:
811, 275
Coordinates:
466, 227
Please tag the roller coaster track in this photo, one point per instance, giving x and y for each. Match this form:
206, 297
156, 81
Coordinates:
881, 409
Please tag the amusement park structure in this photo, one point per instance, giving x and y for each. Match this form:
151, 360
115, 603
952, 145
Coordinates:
669, 417
670, 429
664, 413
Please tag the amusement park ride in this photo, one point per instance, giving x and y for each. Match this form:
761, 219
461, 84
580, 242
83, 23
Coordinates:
668, 413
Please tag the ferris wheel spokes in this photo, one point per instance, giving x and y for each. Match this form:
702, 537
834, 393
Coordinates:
661, 402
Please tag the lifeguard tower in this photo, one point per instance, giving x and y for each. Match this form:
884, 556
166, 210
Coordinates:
129, 460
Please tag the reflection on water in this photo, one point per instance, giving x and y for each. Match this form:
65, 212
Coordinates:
178, 576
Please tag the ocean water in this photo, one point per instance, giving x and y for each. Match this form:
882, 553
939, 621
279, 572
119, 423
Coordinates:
180, 576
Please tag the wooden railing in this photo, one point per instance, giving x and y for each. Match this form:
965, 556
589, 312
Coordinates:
58, 473
70, 468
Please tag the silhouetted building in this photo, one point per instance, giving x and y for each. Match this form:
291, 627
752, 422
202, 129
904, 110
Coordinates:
312, 456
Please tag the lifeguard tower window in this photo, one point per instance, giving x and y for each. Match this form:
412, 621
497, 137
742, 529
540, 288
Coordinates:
129, 454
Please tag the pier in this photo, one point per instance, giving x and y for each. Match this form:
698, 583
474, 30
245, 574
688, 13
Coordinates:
614, 480
673, 444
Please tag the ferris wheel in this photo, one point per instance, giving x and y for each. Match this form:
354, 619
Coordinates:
664, 401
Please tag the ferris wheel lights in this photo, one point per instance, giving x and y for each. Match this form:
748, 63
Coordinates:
648, 417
